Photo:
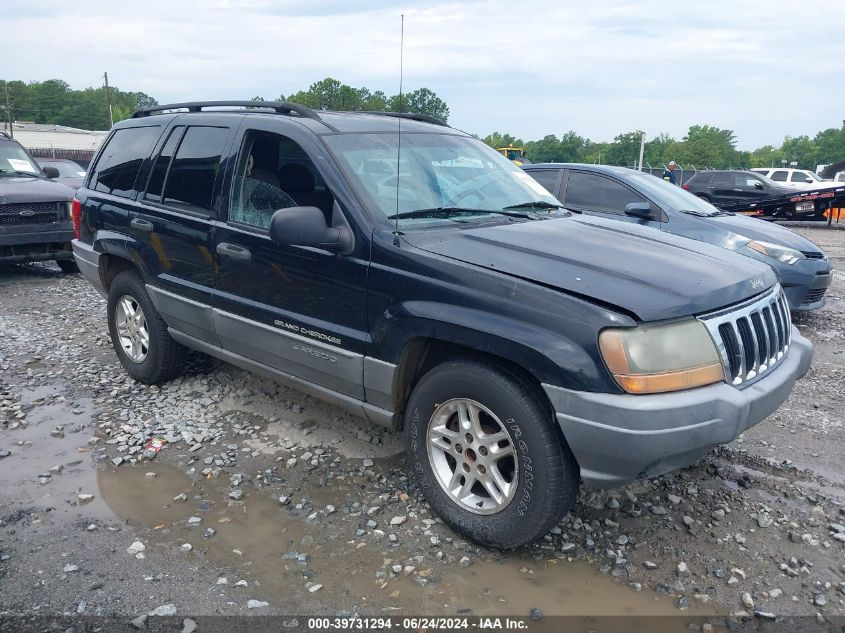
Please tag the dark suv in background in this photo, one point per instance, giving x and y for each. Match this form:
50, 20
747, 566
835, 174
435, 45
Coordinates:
734, 186
35, 222
407, 272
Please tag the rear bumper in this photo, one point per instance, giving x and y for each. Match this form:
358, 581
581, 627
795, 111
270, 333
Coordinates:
88, 261
618, 439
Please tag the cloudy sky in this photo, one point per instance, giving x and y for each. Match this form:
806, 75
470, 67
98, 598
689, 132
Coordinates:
765, 69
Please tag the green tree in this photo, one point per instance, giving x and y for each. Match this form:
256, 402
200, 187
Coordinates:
497, 140
830, 145
708, 146
800, 149
625, 149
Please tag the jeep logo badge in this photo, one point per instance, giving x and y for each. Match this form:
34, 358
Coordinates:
757, 284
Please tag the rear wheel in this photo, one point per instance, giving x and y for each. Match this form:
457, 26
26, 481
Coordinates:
483, 446
67, 266
139, 334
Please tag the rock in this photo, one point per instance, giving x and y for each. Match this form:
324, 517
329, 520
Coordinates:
180, 498
764, 520
315, 588
820, 600
5, 454
194, 521
330, 509
837, 527
84, 497
283, 500
398, 520
368, 463
649, 565
69, 569
718, 515
535, 614
186, 547
149, 476
613, 503
682, 570
136, 548
747, 602
242, 583
164, 610
688, 520
683, 602
465, 561
140, 622
775, 593
657, 510
765, 615
736, 571
237, 495
189, 625
256, 604
674, 499
568, 548
701, 598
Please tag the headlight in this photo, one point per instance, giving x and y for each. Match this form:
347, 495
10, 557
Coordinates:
781, 253
658, 358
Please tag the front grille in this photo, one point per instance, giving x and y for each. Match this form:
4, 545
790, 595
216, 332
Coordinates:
813, 254
21, 213
19, 220
753, 337
813, 296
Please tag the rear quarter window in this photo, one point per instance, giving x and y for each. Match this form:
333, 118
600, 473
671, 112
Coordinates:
117, 168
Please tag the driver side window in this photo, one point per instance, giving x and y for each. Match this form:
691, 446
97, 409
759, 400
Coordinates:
273, 173
597, 193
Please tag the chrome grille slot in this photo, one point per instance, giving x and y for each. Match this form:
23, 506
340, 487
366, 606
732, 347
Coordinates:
752, 337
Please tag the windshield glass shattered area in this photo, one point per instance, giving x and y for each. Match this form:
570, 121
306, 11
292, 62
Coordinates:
14, 159
437, 179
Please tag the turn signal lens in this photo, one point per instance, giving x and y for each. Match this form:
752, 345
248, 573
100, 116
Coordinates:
661, 358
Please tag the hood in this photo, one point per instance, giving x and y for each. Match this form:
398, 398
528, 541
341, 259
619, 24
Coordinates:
15, 189
644, 271
761, 230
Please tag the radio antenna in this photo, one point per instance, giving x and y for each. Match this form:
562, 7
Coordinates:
399, 119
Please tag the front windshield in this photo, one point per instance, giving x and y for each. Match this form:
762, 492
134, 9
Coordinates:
666, 194
434, 171
14, 159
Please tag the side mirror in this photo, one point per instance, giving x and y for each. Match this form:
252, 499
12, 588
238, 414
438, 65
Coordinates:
758, 185
50, 172
639, 210
305, 226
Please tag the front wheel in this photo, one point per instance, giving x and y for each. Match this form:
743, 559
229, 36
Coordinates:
483, 447
67, 266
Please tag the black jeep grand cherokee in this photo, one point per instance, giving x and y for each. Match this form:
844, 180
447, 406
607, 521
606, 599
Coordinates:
430, 283
34, 210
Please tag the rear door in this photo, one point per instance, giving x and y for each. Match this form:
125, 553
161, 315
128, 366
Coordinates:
299, 310
174, 217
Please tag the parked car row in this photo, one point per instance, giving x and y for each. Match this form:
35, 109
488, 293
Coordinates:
409, 273
631, 196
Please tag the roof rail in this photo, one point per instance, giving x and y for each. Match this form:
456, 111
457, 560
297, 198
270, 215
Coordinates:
198, 106
425, 118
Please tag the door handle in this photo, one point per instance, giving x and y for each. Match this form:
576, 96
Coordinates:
141, 225
233, 251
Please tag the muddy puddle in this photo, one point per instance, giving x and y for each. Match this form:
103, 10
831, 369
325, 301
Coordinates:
278, 550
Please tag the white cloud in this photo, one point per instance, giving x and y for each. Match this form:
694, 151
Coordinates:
528, 67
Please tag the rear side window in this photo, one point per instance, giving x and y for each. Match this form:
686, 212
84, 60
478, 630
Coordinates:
190, 179
701, 178
589, 191
162, 164
546, 177
118, 166
779, 176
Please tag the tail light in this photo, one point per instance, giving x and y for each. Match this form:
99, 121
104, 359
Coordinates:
686, 187
76, 218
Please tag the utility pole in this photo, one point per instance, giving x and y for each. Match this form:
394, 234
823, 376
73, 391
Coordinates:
108, 98
642, 150
8, 111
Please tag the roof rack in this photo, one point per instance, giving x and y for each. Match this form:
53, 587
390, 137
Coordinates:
198, 106
425, 118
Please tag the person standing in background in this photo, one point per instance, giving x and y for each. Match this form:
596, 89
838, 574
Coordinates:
669, 173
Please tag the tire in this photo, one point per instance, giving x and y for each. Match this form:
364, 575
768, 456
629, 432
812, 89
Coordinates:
67, 266
543, 468
162, 358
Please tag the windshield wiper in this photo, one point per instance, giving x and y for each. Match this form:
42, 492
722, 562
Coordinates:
535, 204
447, 213
702, 214
19, 173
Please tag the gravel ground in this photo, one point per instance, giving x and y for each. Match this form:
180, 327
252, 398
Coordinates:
266, 501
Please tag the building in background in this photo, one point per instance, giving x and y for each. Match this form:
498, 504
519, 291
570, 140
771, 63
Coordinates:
58, 141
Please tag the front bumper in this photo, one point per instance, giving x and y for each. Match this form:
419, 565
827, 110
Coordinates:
805, 283
618, 439
35, 242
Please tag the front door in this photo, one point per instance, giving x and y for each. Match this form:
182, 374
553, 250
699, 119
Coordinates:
603, 196
299, 310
